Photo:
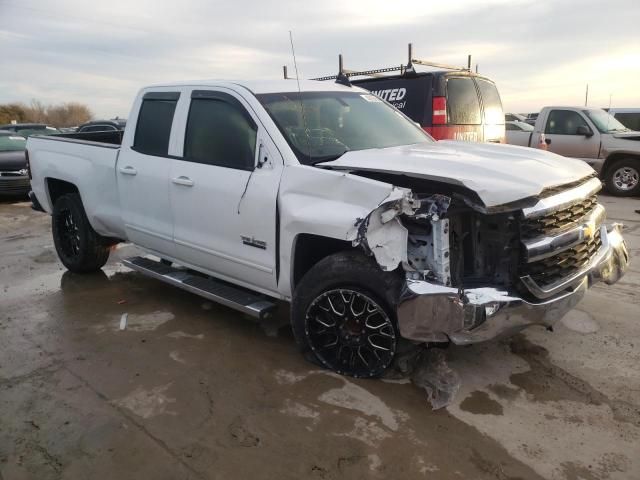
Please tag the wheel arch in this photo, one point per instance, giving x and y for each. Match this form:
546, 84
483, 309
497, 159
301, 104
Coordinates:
57, 188
309, 249
613, 157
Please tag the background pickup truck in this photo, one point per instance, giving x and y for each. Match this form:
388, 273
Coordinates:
595, 136
331, 199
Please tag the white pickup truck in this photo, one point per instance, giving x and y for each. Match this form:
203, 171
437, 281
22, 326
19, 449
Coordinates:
329, 198
595, 136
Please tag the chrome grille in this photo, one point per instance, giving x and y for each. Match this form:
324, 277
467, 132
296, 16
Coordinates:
560, 235
557, 221
563, 264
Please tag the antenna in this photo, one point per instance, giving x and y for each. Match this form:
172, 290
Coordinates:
284, 71
609, 112
304, 119
586, 96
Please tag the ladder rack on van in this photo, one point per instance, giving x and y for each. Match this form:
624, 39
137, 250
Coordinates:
408, 69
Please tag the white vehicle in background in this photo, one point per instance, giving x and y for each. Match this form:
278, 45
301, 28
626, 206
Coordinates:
514, 117
518, 133
629, 117
596, 137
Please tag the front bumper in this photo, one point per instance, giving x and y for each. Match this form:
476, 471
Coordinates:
434, 313
12, 183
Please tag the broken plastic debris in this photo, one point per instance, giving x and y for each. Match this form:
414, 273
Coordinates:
123, 321
427, 368
433, 207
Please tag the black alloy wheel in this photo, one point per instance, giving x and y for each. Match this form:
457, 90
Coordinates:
350, 333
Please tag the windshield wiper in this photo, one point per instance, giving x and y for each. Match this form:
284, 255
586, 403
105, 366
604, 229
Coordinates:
329, 158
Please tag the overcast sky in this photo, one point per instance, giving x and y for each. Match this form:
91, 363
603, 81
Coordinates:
100, 53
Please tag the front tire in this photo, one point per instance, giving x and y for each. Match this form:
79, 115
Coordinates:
79, 247
623, 177
343, 313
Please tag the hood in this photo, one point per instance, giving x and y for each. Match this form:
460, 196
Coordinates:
12, 161
632, 135
499, 174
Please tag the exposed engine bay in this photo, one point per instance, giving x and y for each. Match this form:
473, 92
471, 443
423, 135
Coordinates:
464, 264
442, 239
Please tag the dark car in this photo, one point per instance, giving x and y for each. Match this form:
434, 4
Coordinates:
103, 125
14, 177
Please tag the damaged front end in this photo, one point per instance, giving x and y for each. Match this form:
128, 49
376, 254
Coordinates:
473, 275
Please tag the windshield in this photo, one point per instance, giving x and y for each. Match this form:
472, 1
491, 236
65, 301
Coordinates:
10, 143
605, 122
38, 131
324, 125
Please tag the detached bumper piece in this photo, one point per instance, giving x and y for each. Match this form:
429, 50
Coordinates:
435, 313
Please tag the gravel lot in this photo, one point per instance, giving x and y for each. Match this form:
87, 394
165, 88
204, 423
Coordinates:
193, 390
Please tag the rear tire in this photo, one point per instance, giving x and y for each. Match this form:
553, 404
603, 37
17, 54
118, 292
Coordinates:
79, 247
343, 312
623, 177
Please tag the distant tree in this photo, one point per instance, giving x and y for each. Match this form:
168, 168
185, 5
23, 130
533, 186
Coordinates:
68, 114
61, 115
13, 111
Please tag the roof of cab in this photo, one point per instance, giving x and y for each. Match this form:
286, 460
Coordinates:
265, 86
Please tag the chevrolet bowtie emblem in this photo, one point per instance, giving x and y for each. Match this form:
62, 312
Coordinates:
589, 230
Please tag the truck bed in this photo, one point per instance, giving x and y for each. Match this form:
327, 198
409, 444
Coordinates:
88, 162
111, 137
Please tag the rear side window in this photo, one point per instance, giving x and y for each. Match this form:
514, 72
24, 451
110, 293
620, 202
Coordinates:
564, 122
154, 123
493, 114
629, 120
98, 128
463, 107
220, 132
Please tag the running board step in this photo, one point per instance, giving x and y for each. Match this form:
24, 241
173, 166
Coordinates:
218, 291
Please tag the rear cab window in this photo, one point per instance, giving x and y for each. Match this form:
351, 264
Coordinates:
463, 106
155, 118
630, 120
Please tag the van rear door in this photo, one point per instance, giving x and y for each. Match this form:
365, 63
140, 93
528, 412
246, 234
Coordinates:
492, 111
464, 118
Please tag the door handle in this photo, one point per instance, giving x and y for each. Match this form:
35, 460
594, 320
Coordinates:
184, 181
128, 170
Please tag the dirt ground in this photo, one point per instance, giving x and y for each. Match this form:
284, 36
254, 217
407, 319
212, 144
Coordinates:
193, 390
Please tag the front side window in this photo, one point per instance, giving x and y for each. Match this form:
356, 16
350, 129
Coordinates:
564, 122
220, 132
154, 123
463, 107
321, 126
493, 114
